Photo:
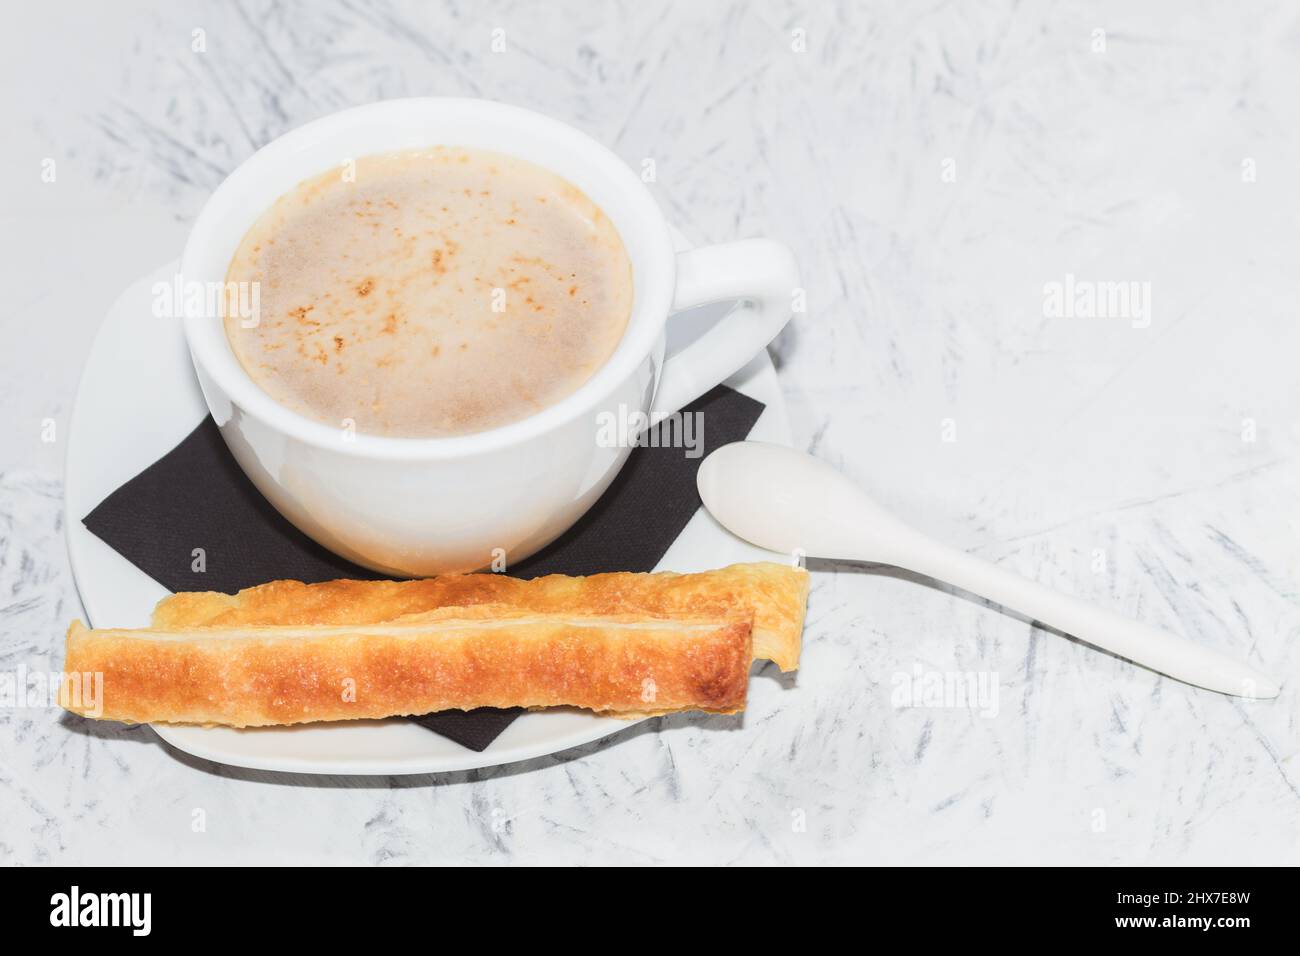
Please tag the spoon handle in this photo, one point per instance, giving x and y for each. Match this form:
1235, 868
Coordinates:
1159, 650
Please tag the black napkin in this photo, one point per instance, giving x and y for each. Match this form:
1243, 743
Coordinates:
195, 496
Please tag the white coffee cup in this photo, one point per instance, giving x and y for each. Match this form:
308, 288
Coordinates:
421, 506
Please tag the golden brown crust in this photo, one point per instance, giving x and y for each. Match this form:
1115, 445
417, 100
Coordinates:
776, 594
245, 676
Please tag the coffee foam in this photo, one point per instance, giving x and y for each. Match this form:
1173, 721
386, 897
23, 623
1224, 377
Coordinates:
441, 292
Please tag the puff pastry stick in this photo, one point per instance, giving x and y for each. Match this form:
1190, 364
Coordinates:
245, 676
775, 594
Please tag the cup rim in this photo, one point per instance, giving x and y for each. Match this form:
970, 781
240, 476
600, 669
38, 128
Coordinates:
652, 284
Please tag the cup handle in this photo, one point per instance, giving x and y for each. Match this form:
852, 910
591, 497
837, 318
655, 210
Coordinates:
760, 272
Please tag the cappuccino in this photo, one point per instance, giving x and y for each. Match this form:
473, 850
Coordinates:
430, 294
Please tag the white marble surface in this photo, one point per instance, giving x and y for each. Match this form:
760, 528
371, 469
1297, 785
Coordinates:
1169, 449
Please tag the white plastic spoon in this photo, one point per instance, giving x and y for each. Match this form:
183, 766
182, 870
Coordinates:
785, 500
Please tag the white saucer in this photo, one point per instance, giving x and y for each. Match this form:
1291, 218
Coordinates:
138, 398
